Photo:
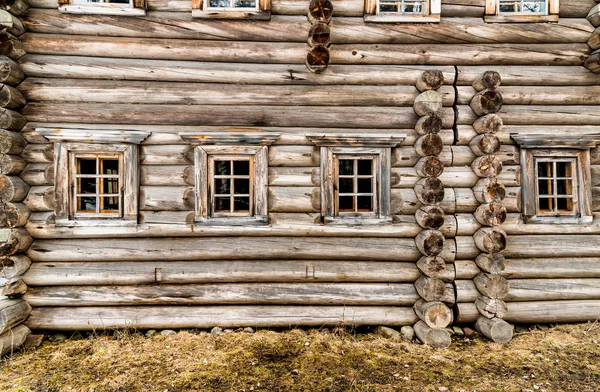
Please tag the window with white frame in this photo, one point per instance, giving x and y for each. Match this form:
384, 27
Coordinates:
232, 9
539, 7
104, 7
355, 177
224, 5
556, 177
402, 11
231, 172
96, 176
522, 10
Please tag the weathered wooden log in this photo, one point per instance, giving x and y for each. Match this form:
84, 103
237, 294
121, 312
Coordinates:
11, 120
486, 102
319, 34
12, 312
492, 285
489, 190
162, 198
14, 289
434, 289
490, 123
430, 80
432, 267
429, 145
42, 174
15, 7
11, 340
522, 115
491, 214
434, 337
430, 190
466, 224
485, 144
593, 62
14, 240
13, 215
495, 329
12, 189
11, 98
534, 76
594, 16
10, 72
10, 46
431, 123
430, 242
211, 248
434, 314
594, 41
537, 95
552, 246
430, 217
11, 143
491, 308
40, 198
317, 59
283, 53
489, 80
13, 266
320, 11
11, 164
428, 103
145, 317
487, 166
530, 268
286, 199
429, 166
492, 263
11, 23
490, 239
309, 293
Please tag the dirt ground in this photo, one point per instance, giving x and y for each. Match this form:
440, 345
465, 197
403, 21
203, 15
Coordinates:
561, 358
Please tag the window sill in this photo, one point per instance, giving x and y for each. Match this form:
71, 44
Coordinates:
521, 18
402, 18
356, 221
558, 220
233, 221
244, 15
91, 10
125, 222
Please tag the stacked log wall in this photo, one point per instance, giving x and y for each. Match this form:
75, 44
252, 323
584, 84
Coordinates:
167, 73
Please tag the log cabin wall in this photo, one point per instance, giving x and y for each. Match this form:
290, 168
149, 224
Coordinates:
168, 73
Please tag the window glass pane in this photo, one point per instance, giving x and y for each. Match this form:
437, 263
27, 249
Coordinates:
346, 203
564, 204
220, 3
241, 204
546, 204
223, 168
346, 167
413, 7
222, 204
545, 187
564, 187
365, 166
86, 204
87, 185
346, 185
388, 6
110, 203
365, 185
544, 169
87, 166
563, 169
110, 166
241, 168
523, 6
110, 185
244, 4
365, 203
241, 186
222, 186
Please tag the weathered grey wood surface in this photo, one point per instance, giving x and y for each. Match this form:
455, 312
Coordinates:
11, 340
522, 290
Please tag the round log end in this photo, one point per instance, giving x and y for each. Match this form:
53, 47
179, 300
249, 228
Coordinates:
495, 329
489, 190
490, 239
320, 11
429, 145
487, 166
436, 338
486, 102
492, 263
317, 59
430, 80
489, 80
430, 217
430, 242
491, 214
491, 123
430, 190
485, 144
432, 267
431, 123
427, 103
429, 166
319, 34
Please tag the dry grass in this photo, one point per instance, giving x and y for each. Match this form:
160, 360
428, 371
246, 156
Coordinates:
564, 358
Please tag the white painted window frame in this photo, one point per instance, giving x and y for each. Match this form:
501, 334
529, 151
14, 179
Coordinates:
262, 11
431, 15
493, 15
88, 8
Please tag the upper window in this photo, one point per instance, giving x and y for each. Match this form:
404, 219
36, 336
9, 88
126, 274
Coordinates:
556, 178
232, 9
355, 177
231, 177
402, 11
521, 11
105, 7
95, 176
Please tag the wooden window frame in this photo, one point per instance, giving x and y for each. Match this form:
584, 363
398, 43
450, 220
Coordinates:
355, 145
493, 15
200, 9
134, 8
432, 14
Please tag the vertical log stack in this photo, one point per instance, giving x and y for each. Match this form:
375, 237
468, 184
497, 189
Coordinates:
593, 61
319, 15
491, 213
14, 239
435, 315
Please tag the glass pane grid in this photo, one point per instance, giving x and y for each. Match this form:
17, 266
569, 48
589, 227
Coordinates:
97, 189
555, 186
231, 187
523, 7
356, 185
233, 4
403, 6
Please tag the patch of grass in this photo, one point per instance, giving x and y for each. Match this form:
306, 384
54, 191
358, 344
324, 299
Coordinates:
563, 358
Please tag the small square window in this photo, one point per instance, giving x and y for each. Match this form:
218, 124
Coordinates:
394, 11
232, 9
104, 7
539, 7
231, 185
556, 181
527, 11
97, 187
356, 184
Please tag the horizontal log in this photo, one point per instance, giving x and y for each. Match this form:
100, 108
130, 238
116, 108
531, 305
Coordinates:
514, 225
10, 46
14, 241
538, 115
11, 164
537, 268
38, 174
11, 98
12, 188
13, 266
40, 199
139, 92
293, 29
13, 215
224, 271
11, 120
539, 95
11, 340
211, 72
10, 72
11, 143
167, 198
372, 294
248, 248
85, 318
530, 76
495, 329
283, 116
552, 246
298, 199
38, 153
434, 314
539, 312
281, 53
12, 312
434, 337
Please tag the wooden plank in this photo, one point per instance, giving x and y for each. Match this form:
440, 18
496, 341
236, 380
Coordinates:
371, 294
281, 53
85, 318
